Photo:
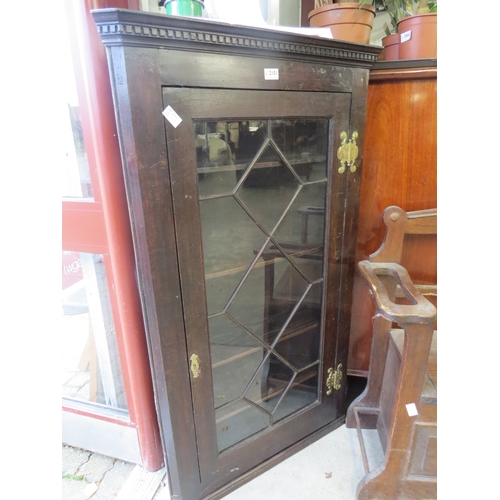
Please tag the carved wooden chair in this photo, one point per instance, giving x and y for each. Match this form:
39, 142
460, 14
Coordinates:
400, 399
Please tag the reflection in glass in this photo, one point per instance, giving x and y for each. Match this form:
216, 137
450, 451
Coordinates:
268, 189
306, 325
304, 143
226, 223
90, 364
262, 187
261, 394
301, 231
75, 173
238, 421
229, 344
299, 396
304, 222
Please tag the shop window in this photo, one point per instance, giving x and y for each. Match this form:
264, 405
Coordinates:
90, 363
75, 173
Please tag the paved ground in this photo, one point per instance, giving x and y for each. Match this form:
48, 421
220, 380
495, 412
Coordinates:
89, 475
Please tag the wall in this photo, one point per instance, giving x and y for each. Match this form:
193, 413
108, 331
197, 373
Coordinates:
274, 12
378, 28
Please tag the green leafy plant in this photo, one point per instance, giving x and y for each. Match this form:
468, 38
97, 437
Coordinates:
397, 9
320, 3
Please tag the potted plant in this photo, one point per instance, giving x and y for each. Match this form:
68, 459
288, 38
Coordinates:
390, 52
412, 33
349, 21
418, 32
397, 10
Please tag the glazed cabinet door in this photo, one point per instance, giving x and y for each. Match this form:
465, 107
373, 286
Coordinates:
258, 206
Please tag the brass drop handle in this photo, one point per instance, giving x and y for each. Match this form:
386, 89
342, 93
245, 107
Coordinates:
347, 152
334, 379
195, 365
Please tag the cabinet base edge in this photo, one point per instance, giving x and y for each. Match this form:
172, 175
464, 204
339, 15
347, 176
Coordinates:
280, 457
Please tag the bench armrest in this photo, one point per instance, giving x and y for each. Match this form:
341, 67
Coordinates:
421, 311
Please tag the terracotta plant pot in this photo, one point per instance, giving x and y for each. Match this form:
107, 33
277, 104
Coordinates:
418, 37
347, 21
391, 48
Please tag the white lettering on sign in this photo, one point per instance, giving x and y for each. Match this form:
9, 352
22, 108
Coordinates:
271, 74
73, 267
172, 116
405, 36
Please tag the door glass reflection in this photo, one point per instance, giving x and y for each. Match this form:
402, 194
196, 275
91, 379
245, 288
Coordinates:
263, 188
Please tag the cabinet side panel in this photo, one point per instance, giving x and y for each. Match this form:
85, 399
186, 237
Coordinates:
400, 168
137, 91
357, 124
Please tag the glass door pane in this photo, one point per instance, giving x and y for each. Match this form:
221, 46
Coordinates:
91, 369
262, 192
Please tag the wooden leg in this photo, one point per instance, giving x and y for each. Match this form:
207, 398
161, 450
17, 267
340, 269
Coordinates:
370, 397
387, 481
305, 220
381, 483
414, 359
384, 482
268, 290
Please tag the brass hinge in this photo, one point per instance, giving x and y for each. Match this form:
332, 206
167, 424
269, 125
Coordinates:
347, 152
334, 379
195, 365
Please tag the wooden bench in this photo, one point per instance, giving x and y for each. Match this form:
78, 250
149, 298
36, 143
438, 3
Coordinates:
400, 399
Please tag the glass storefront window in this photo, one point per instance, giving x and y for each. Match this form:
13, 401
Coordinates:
76, 182
91, 369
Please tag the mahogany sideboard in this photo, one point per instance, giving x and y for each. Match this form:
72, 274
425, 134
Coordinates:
400, 168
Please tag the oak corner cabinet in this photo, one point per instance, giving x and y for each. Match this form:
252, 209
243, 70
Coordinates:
242, 151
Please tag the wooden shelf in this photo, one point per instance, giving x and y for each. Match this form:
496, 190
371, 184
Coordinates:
310, 159
273, 255
298, 381
301, 328
300, 251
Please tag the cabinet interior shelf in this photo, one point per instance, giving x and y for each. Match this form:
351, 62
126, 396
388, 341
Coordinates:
298, 381
299, 329
272, 256
304, 160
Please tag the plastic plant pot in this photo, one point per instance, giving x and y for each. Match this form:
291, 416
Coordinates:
184, 7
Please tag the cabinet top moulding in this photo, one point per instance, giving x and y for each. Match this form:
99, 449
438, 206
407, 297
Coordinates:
133, 28
400, 70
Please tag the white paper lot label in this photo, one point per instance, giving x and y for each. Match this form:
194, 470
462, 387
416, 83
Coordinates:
405, 36
172, 116
271, 74
411, 408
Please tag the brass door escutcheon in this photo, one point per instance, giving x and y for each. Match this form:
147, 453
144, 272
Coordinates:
347, 152
195, 365
334, 379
